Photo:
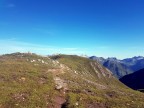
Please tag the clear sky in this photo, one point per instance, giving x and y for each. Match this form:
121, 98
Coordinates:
107, 28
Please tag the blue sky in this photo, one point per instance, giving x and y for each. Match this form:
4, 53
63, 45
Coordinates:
107, 28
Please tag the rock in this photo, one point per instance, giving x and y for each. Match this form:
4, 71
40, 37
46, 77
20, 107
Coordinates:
22, 79
76, 103
43, 62
58, 87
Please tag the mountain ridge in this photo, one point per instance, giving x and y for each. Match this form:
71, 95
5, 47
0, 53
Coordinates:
122, 67
70, 81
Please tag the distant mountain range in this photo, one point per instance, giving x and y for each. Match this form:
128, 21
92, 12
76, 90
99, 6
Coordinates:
134, 80
123, 67
135, 63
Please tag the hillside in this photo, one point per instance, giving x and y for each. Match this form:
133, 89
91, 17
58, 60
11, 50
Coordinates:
135, 63
123, 67
117, 67
62, 81
134, 80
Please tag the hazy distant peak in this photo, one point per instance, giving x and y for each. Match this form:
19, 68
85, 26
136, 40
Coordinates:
112, 58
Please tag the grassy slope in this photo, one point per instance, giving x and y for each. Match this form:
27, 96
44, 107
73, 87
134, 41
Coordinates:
87, 94
25, 83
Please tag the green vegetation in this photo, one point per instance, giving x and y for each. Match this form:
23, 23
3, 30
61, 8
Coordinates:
24, 85
87, 88
26, 82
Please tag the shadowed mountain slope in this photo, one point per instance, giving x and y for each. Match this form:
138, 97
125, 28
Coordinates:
134, 80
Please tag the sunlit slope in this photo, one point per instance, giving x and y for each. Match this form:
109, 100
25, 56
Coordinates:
94, 86
25, 82
63, 81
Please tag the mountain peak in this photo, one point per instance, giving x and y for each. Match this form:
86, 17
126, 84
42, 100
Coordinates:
138, 57
112, 58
